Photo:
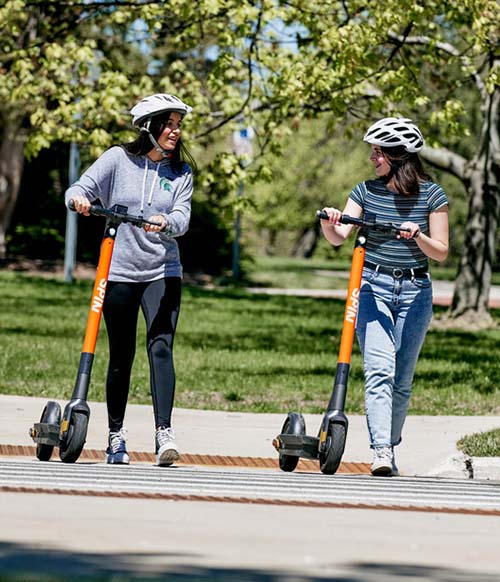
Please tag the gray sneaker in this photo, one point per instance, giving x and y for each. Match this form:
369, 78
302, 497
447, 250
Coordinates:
116, 453
383, 459
167, 451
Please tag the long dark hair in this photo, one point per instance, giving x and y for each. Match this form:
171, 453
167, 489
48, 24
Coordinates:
143, 145
407, 171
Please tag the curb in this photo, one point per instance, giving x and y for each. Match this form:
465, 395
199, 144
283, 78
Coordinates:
487, 468
461, 466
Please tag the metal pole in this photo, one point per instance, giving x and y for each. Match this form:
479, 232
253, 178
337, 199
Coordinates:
71, 218
236, 242
242, 146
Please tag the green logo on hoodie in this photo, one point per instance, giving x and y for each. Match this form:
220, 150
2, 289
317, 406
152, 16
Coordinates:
165, 185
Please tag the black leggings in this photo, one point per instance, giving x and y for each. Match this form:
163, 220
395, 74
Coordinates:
160, 302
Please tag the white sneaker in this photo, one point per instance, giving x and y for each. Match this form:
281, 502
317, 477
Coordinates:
167, 451
116, 453
383, 459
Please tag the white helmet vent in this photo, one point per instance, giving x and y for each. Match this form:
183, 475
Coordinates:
156, 105
393, 132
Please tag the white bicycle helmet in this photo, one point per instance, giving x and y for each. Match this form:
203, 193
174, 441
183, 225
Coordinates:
393, 132
156, 104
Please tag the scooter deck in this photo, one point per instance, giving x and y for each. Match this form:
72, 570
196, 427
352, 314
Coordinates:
45, 433
294, 445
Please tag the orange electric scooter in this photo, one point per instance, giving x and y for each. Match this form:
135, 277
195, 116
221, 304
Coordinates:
328, 447
69, 430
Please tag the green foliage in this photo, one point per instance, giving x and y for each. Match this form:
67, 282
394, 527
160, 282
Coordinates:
315, 167
74, 77
207, 246
71, 72
26, 241
38, 224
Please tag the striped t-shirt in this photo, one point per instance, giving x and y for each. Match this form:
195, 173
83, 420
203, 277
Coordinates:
385, 249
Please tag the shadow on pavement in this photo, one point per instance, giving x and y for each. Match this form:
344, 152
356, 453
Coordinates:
22, 563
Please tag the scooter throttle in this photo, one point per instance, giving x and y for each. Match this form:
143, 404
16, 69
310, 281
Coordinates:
322, 215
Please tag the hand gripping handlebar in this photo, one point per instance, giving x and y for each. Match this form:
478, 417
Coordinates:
117, 213
387, 227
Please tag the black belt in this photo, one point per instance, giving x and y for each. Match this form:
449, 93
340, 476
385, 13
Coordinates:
396, 272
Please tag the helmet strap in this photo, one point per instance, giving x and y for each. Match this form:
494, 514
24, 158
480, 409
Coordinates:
157, 146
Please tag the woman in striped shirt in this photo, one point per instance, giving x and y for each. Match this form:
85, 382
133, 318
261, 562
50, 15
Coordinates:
396, 292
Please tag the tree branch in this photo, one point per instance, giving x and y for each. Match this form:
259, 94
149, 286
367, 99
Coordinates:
252, 49
443, 46
446, 160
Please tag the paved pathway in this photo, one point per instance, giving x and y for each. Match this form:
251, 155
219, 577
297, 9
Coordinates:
262, 487
443, 292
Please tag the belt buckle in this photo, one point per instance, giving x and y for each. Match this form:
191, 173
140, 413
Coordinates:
397, 273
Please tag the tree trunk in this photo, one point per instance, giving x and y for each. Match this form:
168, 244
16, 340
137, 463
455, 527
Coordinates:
11, 170
472, 287
306, 244
480, 177
272, 235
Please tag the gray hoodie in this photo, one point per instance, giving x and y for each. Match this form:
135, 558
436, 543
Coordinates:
146, 188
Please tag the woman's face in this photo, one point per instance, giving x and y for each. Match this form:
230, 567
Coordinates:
171, 131
379, 161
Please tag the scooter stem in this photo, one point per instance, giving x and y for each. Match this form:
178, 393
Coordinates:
337, 400
101, 280
82, 383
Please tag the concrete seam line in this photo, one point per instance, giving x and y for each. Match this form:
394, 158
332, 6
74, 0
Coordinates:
249, 500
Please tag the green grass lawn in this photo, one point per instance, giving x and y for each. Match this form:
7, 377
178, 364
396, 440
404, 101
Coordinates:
484, 444
234, 351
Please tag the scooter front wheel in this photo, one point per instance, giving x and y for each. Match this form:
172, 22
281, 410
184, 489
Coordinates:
51, 415
296, 425
71, 446
329, 460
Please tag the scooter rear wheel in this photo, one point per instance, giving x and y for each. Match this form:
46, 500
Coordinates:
294, 424
72, 446
51, 415
329, 461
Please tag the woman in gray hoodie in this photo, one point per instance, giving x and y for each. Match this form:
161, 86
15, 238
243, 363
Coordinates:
153, 177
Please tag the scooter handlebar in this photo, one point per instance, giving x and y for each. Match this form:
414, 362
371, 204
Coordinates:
369, 224
116, 212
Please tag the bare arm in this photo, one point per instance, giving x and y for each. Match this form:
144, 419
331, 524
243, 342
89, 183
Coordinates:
334, 231
436, 245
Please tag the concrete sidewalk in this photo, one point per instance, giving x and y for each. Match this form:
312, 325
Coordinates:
428, 447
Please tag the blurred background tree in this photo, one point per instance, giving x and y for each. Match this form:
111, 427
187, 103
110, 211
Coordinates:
71, 71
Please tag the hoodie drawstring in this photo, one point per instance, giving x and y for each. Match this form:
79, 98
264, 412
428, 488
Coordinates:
150, 198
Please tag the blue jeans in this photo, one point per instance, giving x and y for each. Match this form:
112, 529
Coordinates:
393, 318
